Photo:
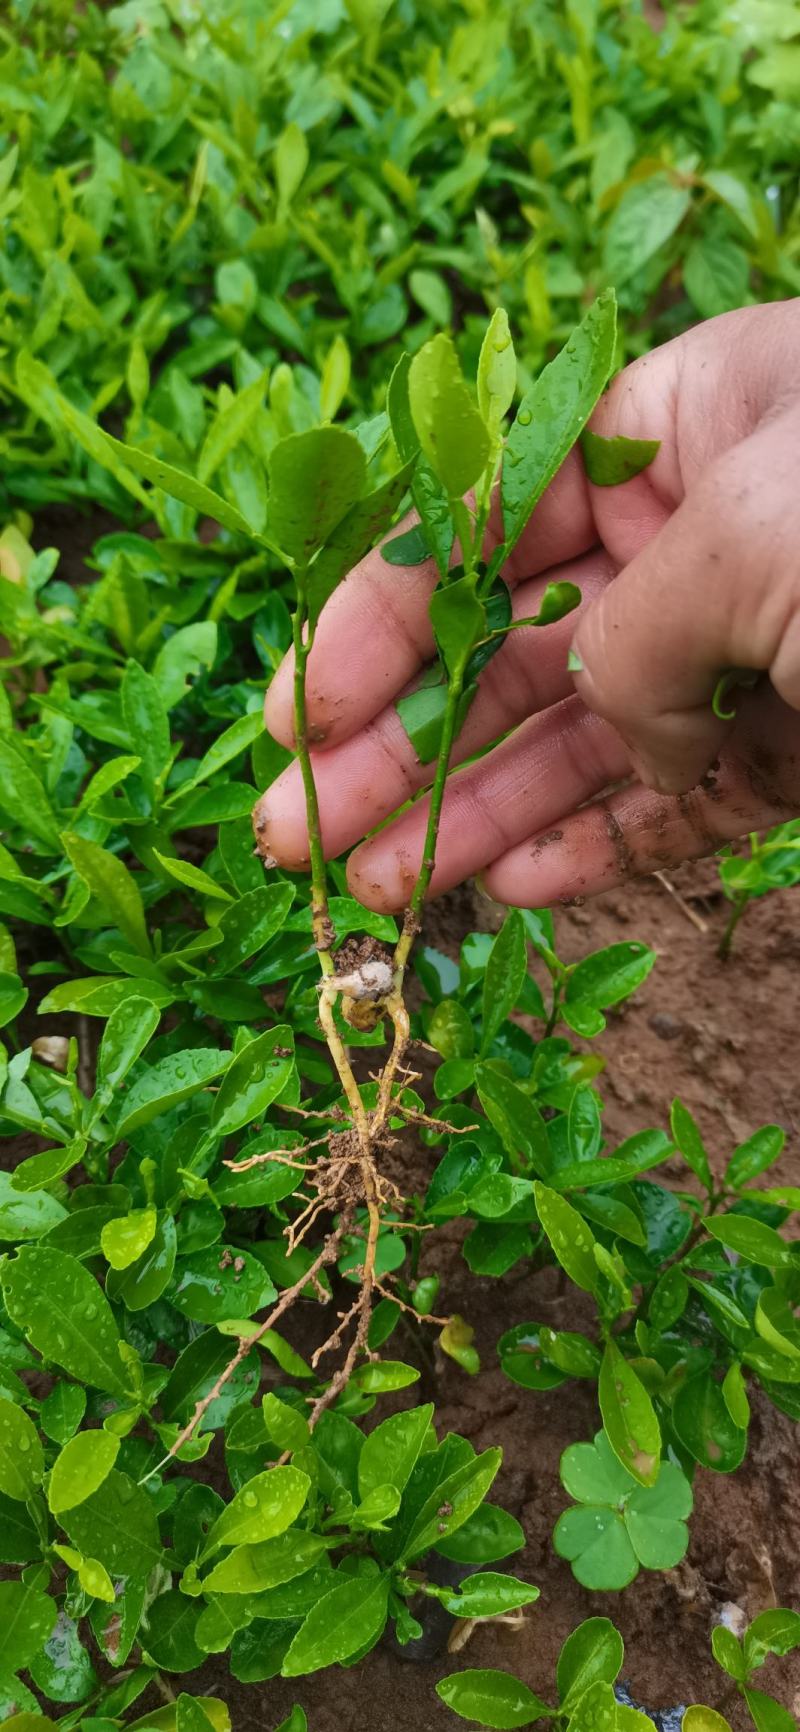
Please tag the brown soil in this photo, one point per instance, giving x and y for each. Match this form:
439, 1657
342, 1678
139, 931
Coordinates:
720, 1036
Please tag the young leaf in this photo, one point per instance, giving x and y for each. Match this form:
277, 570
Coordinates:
349, 1618
506, 968
126, 1034
592, 1653
391, 1450
266, 1506
448, 426
629, 1417
113, 886
21, 1454
315, 478
65, 1314
258, 1074
688, 1139
571, 1240
492, 1698
83, 1464
497, 371
553, 412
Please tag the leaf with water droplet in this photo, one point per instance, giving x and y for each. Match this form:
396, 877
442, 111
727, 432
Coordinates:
266, 1506
83, 1464
65, 1314
554, 412
21, 1453
124, 1240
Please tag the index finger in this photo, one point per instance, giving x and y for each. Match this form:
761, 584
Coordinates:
375, 634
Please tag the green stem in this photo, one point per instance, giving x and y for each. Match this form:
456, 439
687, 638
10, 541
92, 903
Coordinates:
739, 906
413, 919
320, 914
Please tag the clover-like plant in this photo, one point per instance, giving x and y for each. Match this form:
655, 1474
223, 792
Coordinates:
617, 1524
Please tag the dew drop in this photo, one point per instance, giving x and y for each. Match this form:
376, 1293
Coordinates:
524, 417
249, 1498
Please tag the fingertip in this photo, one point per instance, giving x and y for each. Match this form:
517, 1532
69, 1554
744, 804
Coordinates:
382, 878
278, 704
279, 823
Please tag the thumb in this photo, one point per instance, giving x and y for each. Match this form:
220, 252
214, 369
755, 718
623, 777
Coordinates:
717, 588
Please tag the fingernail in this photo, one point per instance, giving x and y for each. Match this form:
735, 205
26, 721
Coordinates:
574, 663
482, 890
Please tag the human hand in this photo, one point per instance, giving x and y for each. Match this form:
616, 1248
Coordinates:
689, 569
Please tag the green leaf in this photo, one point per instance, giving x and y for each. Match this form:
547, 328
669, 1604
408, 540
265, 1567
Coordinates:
61, 1411
391, 1450
488, 1535
23, 797
462, 1491
258, 1074
250, 924
629, 1417
125, 1240
112, 886
346, 1620
571, 1240
252, 1569
220, 1283
410, 548
767, 1715
492, 1698
13, 998
383, 1376
700, 1719
27, 1617
517, 1120
363, 525
716, 275
727, 1652
487, 1595
126, 1034
192, 876
688, 1139
145, 716
450, 430
266, 1506
608, 462
82, 1465
315, 477
229, 426
165, 1084
143, 1281
553, 412
459, 620
647, 215
506, 968
592, 1653
752, 1240
21, 1454
121, 459
169, 1635
497, 371
754, 1156
772, 1632
117, 1525
704, 1425
604, 979
187, 654
65, 1314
